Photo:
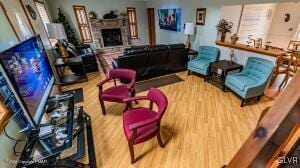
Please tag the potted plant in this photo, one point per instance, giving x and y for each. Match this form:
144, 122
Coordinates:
123, 14
224, 27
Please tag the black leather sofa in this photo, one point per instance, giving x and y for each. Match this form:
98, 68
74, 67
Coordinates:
153, 61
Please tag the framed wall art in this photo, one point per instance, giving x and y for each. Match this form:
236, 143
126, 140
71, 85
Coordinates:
200, 16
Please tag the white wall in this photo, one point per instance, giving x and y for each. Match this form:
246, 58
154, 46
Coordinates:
241, 56
258, 28
102, 7
231, 14
207, 34
279, 34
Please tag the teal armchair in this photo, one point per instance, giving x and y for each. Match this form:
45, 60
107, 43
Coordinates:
252, 81
201, 64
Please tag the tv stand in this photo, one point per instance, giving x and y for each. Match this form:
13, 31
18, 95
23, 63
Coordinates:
43, 152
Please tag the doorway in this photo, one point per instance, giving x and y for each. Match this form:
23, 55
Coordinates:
151, 26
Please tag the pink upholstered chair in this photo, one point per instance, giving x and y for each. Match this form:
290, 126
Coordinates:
120, 92
141, 124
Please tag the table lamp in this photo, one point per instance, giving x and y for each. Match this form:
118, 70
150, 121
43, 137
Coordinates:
57, 31
189, 30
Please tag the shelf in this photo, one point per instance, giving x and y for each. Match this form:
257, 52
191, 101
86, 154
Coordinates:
270, 52
217, 81
73, 78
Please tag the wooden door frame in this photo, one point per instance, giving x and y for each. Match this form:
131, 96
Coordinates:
151, 26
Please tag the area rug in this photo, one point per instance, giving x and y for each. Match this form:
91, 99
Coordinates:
78, 94
157, 82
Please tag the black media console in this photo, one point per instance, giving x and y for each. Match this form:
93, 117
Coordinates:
64, 128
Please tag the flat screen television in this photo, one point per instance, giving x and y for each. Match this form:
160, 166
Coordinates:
170, 19
29, 72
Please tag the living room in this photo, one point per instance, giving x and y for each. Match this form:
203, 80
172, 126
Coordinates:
221, 78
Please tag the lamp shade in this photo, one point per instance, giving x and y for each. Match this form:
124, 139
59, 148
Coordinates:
189, 29
56, 31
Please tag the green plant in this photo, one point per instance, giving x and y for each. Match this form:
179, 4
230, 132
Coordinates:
68, 29
123, 14
224, 26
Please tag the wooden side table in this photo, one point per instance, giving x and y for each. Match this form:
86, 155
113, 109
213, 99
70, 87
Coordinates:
69, 79
225, 66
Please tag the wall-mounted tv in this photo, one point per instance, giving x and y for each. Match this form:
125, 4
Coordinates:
170, 19
28, 69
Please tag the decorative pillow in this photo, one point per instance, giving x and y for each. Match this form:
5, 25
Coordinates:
72, 52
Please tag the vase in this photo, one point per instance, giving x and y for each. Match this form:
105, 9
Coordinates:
223, 36
234, 38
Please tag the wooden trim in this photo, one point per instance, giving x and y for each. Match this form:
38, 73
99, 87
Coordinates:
26, 14
41, 2
270, 52
135, 23
79, 25
240, 19
37, 1
9, 21
285, 106
151, 26
285, 148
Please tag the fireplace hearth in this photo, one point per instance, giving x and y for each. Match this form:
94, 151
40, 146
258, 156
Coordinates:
110, 32
112, 37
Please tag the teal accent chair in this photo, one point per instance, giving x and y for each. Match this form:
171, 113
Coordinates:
252, 81
201, 64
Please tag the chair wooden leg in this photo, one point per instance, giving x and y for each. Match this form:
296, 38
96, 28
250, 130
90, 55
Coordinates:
161, 144
102, 106
131, 149
133, 95
243, 102
189, 72
151, 105
258, 98
284, 82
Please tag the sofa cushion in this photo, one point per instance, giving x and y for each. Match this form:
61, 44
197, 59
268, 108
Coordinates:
176, 46
241, 81
200, 63
136, 50
178, 57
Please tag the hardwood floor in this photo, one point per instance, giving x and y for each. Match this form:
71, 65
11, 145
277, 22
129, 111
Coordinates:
203, 126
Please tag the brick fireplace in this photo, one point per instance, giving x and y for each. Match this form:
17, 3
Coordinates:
110, 32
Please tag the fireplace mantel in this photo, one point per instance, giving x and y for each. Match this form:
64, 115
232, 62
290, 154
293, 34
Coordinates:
99, 24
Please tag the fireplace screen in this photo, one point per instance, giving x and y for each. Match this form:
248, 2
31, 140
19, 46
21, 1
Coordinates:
112, 37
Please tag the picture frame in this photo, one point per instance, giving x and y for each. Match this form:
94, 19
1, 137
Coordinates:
200, 16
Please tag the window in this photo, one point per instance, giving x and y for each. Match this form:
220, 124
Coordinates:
132, 23
83, 24
24, 29
42, 12
44, 17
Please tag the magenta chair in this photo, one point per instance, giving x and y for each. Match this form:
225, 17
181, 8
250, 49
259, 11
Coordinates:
117, 93
141, 124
